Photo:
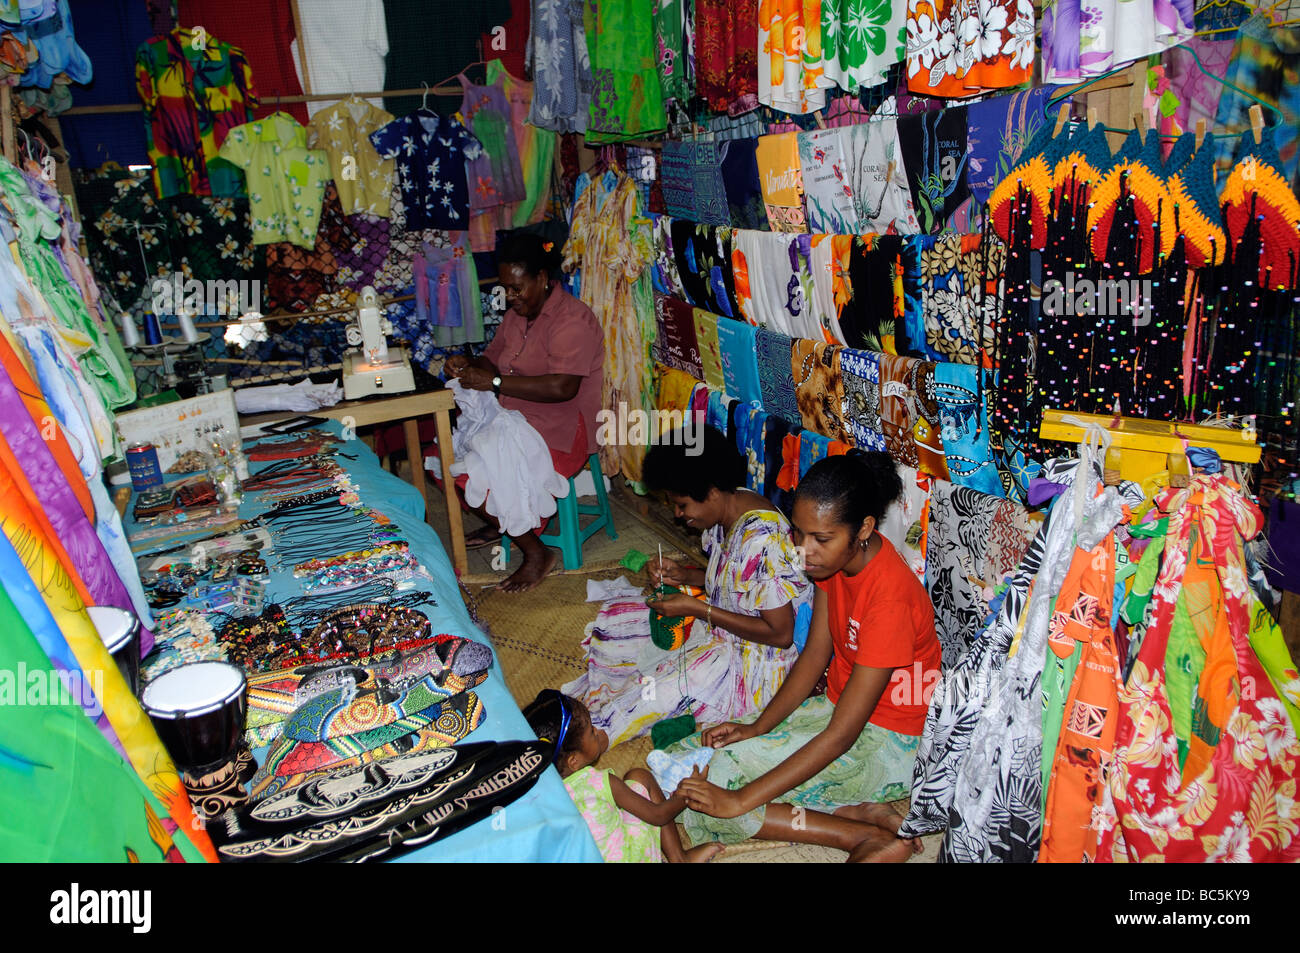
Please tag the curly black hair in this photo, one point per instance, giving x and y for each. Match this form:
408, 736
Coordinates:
855, 485
529, 252
545, 715
686, 463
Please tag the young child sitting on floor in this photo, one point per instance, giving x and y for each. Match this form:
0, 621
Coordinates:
622, 813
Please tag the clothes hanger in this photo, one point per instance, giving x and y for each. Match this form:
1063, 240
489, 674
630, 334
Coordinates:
1236, 89
1224, 4
443, 90
278, 102
1074, 91
1270, 13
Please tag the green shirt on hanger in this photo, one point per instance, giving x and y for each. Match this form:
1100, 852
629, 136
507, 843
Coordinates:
286, 180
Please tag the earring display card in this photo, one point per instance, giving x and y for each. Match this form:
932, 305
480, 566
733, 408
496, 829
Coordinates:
181, 425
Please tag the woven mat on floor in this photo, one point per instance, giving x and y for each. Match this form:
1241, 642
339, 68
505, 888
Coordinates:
599, 554
538, 634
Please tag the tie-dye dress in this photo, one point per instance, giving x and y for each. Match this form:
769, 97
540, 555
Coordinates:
716, 676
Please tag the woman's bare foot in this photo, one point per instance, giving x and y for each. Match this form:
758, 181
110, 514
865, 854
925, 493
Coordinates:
701, 854
871, 851
883, 816
532, 572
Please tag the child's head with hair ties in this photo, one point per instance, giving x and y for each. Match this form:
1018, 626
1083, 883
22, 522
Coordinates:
565, 723
838, 505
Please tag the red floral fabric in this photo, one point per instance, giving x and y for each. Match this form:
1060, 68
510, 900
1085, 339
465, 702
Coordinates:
1242, 805
726, 54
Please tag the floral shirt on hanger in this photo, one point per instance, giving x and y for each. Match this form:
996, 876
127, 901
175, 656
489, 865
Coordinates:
364, 180
286, 180
431, 152
560, 65
193, 94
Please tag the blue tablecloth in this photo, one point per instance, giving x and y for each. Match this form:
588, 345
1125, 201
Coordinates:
543, 825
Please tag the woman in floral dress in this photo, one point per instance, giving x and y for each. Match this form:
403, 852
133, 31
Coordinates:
747, 631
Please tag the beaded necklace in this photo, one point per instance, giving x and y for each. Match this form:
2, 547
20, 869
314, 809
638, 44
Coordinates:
307, 611
284, 449
317, 526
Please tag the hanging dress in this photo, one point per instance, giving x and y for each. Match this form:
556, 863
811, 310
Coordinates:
611, 240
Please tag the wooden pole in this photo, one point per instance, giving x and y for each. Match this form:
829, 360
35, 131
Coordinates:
313, 98
302, 46
292, 316
7, 117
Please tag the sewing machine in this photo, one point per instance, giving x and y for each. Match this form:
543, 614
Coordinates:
374, 367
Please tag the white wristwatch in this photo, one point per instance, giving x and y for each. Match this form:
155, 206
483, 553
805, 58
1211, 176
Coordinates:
496, 385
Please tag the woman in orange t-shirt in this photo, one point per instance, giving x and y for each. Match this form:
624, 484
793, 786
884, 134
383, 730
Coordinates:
819, 770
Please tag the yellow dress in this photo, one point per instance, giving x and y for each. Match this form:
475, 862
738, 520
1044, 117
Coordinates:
611, 241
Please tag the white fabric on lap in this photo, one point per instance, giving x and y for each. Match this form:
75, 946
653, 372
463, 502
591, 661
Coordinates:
506, 461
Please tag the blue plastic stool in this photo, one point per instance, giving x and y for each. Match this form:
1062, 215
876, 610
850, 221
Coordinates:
572, 534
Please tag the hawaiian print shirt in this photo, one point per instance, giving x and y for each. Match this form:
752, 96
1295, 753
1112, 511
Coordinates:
194, 93
431, 152
366, 182
286, 180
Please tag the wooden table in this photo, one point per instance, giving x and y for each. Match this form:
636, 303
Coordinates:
407, 408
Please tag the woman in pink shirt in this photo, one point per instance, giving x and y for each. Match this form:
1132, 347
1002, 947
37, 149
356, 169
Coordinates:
545, 362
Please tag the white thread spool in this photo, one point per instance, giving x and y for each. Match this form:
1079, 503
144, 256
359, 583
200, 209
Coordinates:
130, 333
189, 334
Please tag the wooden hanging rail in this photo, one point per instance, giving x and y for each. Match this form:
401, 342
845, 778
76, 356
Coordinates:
267, 101
1143, 447
1118, 81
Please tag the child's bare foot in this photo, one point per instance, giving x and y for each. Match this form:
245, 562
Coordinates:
871, 851
701, 854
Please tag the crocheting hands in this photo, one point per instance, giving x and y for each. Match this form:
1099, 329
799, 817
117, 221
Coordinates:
719, 736
666, 571
678, 605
